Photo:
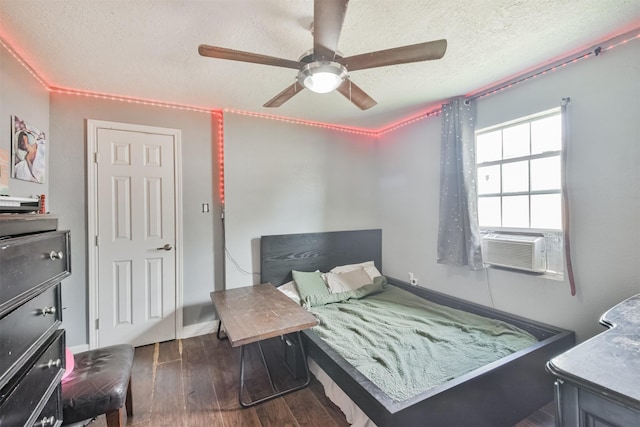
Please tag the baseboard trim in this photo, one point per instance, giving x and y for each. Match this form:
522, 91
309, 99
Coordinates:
186, 332
198, 329
79, 348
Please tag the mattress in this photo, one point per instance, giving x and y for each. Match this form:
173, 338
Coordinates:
406, 345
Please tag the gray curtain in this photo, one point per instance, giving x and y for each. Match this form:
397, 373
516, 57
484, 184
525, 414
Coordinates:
458, 232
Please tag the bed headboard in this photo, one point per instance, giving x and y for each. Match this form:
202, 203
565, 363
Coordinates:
279, 254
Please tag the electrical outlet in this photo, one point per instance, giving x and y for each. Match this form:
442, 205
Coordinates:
412, 279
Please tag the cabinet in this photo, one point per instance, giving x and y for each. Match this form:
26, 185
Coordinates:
597, 381
34, 258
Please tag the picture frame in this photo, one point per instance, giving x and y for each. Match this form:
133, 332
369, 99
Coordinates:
28, 157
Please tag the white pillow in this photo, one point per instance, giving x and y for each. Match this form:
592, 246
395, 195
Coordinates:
290, 290
369, 267
348, 281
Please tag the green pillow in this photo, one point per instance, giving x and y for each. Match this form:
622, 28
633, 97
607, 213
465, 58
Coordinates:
309, 283
379, 284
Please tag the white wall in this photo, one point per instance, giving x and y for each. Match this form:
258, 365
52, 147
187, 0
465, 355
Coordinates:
604, 189
291, 178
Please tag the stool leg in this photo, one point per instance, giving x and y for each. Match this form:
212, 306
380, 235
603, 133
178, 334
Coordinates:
114, 418
128, 403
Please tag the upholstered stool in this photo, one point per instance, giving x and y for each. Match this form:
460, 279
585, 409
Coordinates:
100, 383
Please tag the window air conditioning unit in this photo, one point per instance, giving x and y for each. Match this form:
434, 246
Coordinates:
515, 251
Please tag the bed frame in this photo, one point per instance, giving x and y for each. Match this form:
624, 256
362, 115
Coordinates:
499, 394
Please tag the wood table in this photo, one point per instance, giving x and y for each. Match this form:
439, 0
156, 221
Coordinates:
255, 313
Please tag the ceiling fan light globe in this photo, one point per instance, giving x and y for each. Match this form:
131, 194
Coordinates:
322, 82
322, 77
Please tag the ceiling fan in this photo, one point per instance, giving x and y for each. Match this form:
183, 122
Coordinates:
322, 69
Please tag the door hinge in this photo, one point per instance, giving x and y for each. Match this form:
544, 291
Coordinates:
95, 157
97, 240
97, 323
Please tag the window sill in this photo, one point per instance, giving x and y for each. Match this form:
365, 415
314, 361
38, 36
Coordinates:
547, 275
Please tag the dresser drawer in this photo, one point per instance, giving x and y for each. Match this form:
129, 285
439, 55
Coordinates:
28, 263
51, 415
37, 396
25, 329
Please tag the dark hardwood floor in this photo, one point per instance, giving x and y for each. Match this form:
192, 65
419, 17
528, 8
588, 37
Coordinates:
194, 382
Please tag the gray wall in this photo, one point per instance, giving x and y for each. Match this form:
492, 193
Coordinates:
290, 178
68, 198
23, 96
604, 188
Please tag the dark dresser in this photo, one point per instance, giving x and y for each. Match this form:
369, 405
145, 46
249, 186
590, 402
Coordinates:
598, 381
34, 258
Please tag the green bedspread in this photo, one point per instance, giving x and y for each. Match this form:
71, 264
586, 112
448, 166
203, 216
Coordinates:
407, 345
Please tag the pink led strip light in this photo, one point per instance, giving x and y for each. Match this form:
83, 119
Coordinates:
138, 101
347, 129
220, 141
595, 52
353, 130
24, 64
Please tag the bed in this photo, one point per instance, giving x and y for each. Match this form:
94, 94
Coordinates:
498, 394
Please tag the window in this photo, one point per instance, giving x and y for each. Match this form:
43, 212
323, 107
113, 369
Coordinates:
519, 175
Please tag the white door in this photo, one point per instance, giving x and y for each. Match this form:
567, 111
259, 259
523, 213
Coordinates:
136, 232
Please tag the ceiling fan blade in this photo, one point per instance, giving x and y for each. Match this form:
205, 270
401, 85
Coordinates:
399, 55
356, 95
238, 55
284, 96
328, 17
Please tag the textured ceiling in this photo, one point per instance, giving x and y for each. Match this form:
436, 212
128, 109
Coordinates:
149, 49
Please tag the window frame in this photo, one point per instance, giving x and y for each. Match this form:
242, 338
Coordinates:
547, 154
550, 234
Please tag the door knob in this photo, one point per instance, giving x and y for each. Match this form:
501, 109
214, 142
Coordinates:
166, 247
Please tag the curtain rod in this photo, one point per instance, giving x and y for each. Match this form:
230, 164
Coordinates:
595, 50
